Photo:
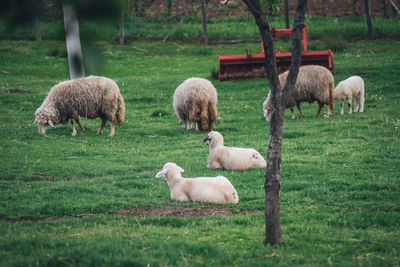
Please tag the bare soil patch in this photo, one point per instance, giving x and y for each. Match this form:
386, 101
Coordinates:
181, 211
17, 91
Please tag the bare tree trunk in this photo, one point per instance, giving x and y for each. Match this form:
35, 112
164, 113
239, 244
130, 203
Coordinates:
204, 21
73, 42
38, 35
369, 19
287, 18
273, 172
354, 6
121, 29
394, 7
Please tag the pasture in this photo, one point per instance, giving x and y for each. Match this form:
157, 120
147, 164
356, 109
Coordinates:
80, 200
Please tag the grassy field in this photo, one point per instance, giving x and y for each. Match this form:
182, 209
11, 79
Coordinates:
60, 196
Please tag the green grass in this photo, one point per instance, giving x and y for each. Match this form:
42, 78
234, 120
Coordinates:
340, 189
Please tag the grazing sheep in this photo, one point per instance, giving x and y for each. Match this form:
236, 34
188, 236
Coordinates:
352, 87
314, 83
231, 158
89, 97
216, 190
195, 100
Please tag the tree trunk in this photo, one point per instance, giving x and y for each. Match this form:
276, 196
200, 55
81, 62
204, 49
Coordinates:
369, 20
273, 172
204, 21
354, 6
121, 29
73, 42
38, 35
394, 8
287, 18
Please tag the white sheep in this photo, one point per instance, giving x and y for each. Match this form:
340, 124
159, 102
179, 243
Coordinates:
195, 100
216, 190
89, 97
314, 83
231, 158
352, 87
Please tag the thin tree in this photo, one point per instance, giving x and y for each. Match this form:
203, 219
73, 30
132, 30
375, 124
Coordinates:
369, 19
74, 50
204, 21
287, 18
122, 28
273, 172
36, 25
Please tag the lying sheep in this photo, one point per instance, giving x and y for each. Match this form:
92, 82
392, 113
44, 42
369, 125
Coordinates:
314, 83
195, 100
231, 158
352, 87
89, 97
216, 190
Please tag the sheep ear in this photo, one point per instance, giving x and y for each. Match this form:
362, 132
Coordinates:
161, 173
50, 123
180, 169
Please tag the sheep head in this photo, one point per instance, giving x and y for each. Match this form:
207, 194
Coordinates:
267, 108
46, 116
214, 139
170, 169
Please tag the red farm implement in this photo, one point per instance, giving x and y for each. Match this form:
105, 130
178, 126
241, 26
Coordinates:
250, 66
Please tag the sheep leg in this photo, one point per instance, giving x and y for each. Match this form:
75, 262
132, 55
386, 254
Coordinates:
292, 110
362, 102
298, 104
319, 109
73, 127
103, 124
349, 104
341, 106
112, 132
188, 125
80, 126
357, 104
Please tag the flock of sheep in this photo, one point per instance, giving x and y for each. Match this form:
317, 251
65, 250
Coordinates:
194, 101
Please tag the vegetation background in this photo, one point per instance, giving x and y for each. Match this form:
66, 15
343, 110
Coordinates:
93, 200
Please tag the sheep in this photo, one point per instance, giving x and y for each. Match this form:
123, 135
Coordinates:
352, 87
314, 83
217, 190
231, 158
195, 100
89, 97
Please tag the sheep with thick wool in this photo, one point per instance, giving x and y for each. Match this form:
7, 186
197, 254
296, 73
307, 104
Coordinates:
231, 158
195, 100
89, 97
314, 83
217, 190
352, 87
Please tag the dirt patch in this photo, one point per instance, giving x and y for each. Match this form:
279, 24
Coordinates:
181, 212
17, 91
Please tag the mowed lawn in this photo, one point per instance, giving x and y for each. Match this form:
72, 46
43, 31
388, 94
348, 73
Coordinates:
60, 196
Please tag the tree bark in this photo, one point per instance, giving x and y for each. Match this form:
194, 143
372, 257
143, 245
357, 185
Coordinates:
273, 172
204, 21
122, 29
287, 18
38, 35
369, 19
74, 50
394, 7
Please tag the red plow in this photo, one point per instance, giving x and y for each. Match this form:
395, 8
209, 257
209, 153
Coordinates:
251, 66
